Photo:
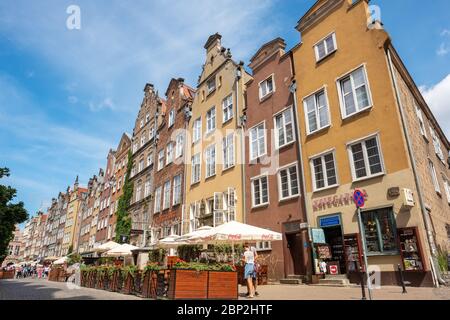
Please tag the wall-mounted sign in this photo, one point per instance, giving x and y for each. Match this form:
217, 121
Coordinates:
336, 201
318, 236
330, 221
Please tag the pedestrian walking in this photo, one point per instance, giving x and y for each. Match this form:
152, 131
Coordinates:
39, 272
249, 269
257, 269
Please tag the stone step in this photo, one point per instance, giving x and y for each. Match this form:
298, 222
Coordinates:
335, 282
291, 281
292, 276
337, 276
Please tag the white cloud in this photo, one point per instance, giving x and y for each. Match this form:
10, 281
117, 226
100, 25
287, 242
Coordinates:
445, 32
443, 50
438, 98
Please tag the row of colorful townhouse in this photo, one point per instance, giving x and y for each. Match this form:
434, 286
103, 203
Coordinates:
282, 145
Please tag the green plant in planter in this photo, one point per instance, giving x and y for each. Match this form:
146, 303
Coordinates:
189, 252
181, 265
152, 267
157, 255
129, 270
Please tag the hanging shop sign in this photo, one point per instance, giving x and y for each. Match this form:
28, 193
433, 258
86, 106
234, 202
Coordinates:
330, 221
336, 201
318, 236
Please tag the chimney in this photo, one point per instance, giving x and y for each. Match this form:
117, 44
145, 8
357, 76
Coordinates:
213, 41
149, 87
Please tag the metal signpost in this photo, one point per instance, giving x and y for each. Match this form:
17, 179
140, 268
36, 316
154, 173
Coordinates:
359, 198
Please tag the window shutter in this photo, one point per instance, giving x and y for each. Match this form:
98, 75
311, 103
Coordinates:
218, 202
231, 198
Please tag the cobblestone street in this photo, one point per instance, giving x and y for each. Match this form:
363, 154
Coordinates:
38, 289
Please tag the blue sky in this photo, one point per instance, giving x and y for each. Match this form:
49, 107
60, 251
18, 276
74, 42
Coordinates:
67, 96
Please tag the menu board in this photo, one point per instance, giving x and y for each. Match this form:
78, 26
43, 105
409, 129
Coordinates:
324, 252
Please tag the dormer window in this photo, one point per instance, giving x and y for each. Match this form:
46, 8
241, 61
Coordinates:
325, 47
266, 87
211, 84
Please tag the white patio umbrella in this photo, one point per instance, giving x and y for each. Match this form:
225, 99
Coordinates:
106, 246
124, 250
61, 261
235, 232
171, 242
196, 234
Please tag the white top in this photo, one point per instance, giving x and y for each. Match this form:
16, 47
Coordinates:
249, 256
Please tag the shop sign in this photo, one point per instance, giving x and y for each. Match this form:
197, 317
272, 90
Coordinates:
331, 221
334, 270
336, 201
318, 236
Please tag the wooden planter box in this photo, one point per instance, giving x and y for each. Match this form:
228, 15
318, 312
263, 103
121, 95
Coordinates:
128, 284
99, 283
223, 285
188, 284
137, 284
62, 276
113, 284
4, 275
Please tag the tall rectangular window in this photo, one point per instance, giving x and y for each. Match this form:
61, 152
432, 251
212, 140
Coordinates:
169, 151
447, 188
141, 165
196, 169
354, 93
324, 171
197, 130
150, 159
210, 154
434, 177
316, 112
437, 144
158, 199
266, 87
325, 47
284, 125
161, 160
211, 120
260, 191
366, 159
288, 182
227, 107
179, 146
257, 141
211, 84
171, 118
177, 190
166, 198
138, 193
228, 151
419, 114
379, 230
147, 188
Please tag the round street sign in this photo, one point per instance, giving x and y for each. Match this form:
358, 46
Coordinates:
358, 197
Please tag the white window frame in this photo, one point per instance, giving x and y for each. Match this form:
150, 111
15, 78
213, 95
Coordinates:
147, 188
211, 116
268, 93
282, 113
171, 118
213, 88
261, 247
366, 160
166, 194
195, 163
327, 51
316, 110
434, 177
227, 109
419, 113
150, 159
437, 145
177, 180
161, 159
210, 167
259, 153
341, 98
197, 130
179, 147
169, 153
280, 190
322, 156
446, 187
158, 194
226, 152
252, 181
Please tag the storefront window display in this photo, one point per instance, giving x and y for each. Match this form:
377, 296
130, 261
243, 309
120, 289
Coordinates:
379, 227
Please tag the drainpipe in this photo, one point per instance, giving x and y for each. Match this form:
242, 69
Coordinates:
241, 125
416, 176
293, 90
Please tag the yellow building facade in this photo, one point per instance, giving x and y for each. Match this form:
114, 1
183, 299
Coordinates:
352, 138
214, 158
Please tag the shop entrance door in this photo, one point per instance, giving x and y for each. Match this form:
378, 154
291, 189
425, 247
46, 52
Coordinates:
295, 246
335, 239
